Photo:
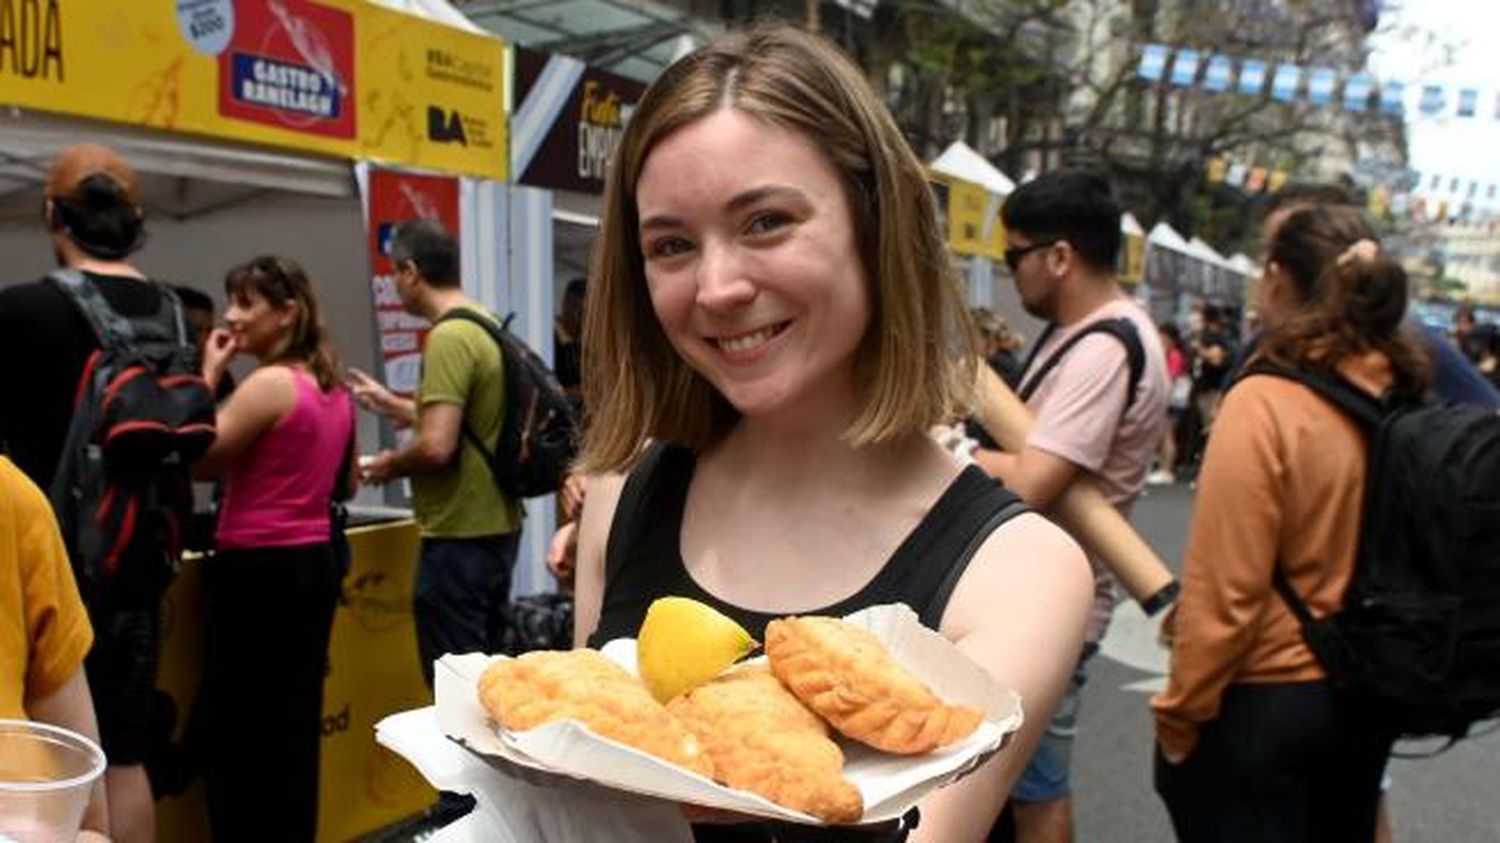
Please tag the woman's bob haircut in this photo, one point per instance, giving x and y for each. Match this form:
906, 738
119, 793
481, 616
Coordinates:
915, 362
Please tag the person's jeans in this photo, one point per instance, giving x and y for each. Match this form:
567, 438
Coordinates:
463, 587
1284, 762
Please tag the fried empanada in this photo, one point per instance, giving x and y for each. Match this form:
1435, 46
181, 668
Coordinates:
844, 674
540, 687
761, 739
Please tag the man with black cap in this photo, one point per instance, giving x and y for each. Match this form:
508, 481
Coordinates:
92, 213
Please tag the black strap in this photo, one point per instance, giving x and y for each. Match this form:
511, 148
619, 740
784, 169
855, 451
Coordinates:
112, 330
1359, 405
1119, 327
1292, 599
495, 333
932, 613
341, 491
630, 511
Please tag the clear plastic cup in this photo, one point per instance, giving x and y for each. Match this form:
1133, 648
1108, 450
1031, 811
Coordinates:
46, 776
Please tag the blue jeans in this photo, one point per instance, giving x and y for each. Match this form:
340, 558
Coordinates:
463, 587
1048, 775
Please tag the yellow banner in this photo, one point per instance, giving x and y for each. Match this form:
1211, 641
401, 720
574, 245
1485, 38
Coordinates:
974, 226
339, 77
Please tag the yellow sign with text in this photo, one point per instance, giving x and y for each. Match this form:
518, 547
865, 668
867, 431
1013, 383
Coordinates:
338, 77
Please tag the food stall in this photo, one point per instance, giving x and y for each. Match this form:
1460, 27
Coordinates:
970, 191
261, 126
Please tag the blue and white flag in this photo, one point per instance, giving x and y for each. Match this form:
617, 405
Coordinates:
1320, 82
1153, 62
1216, 78
1357, 91
1434, 98
1185, 67
1252, 77
1393, 97
1468, 102
1285, 83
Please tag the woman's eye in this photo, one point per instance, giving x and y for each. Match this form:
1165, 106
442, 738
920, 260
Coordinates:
767, 222
667, 247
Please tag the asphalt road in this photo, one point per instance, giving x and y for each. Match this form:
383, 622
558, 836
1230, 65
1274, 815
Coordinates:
1452, 797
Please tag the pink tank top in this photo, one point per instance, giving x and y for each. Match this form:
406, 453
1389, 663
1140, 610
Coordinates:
276, 494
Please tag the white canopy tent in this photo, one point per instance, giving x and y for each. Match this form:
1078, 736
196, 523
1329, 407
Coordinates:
1130, 225
960, 161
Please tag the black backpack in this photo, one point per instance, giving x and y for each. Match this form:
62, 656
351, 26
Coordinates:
1417, 637
142, 414
539, 434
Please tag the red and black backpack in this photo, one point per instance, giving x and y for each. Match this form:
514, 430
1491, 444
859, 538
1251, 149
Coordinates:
141, 415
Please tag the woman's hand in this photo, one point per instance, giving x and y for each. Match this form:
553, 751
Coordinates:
571, 495
562, 553
218, 350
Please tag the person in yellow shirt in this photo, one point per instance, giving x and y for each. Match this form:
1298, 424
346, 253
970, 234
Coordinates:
44, 629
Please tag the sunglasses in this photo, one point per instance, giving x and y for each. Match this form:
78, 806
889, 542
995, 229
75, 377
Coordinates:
1014, 255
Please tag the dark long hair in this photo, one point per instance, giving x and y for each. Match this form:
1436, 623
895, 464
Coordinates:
1348, 301
280, 280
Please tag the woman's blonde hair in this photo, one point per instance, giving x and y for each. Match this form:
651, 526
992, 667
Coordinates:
915, 359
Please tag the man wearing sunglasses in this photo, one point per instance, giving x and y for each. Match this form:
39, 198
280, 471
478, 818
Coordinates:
1096, 383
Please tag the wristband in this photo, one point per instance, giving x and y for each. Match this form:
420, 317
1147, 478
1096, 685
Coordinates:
1163, 598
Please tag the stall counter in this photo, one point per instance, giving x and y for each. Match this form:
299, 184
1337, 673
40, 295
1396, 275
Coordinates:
372, 671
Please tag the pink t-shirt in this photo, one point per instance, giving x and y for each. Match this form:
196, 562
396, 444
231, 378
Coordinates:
1080, 416
277, 493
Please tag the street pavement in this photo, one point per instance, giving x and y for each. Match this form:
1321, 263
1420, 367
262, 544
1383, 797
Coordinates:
1452, 797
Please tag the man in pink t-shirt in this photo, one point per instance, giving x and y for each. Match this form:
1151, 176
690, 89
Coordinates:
1097, 386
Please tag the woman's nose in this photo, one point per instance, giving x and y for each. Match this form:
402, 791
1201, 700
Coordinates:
723, 282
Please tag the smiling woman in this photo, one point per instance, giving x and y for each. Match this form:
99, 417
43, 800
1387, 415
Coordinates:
285, 438
772, 328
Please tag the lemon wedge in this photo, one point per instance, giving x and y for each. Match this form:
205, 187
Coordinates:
683, 643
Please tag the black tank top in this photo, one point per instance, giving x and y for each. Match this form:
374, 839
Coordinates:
644, 561
644, 556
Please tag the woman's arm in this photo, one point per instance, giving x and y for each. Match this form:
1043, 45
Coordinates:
1227, 570
257, 404
1019, 611
600, 500
71, 707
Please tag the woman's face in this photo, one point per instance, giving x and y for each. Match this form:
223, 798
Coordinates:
257, 325
751, 262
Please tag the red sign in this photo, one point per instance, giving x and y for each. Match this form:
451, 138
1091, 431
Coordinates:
392, 198
290, 65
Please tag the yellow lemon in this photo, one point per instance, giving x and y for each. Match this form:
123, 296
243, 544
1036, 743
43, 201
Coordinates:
683, 643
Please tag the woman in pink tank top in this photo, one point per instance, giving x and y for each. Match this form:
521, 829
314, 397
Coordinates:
284, 450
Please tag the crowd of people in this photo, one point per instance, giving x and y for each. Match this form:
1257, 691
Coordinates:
773, 330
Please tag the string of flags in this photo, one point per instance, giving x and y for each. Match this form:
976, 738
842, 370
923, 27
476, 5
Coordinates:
1399, 200
1291, 82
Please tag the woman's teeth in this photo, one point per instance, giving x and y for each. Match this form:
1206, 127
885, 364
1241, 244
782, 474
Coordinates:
746, 342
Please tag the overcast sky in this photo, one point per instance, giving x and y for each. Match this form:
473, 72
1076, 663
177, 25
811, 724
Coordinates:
1468, 148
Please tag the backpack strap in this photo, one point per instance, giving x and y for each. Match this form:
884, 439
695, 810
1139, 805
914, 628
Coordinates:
1293, 600
110, 329
466, 315
1359, 405
1118, 327
114, 331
